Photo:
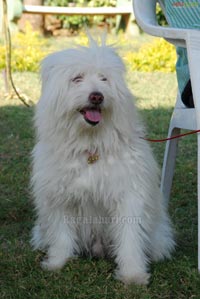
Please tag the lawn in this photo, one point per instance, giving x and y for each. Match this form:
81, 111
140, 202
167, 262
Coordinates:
85, 278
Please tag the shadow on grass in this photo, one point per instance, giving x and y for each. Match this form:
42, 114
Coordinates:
85, 278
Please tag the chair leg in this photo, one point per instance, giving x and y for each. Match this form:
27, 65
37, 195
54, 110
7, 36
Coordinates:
169, 164
198, 194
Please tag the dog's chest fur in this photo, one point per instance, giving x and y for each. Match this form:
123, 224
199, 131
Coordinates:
103, 180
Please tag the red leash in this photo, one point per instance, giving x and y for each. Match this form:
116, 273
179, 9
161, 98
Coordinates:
171, 138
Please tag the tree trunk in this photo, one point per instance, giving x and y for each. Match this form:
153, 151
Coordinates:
37, 21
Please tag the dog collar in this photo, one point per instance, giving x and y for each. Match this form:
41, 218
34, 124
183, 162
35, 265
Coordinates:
92, 157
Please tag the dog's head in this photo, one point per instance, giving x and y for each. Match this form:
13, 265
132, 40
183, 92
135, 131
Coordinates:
84, 86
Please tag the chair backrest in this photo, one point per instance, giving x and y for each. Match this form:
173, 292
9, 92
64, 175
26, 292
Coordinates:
144, 11
145, 14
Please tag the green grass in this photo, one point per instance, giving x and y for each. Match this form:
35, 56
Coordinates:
85, 278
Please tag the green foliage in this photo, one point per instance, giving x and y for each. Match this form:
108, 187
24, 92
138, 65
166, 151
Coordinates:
27, 51
160, 16
158, 55
76, 22
73, 22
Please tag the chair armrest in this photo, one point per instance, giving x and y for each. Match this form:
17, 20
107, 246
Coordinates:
145, 14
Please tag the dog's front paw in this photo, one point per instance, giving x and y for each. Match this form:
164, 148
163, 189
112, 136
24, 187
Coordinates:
52, 264
133, 278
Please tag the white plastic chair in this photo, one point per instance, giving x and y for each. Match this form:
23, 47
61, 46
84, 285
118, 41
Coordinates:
182, 117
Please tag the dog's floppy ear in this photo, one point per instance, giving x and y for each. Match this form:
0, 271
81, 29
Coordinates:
45, 71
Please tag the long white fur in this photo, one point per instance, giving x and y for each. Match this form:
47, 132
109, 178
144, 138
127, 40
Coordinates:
113, 206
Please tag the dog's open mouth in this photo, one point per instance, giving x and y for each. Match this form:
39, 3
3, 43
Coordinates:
92, 115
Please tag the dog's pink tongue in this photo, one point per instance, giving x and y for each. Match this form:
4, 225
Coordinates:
93, 115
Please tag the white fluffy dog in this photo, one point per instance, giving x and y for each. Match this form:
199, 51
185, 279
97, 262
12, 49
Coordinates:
95, 181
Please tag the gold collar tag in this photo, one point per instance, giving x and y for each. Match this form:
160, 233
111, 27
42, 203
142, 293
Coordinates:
93, 158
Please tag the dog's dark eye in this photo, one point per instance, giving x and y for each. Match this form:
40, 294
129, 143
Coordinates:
77, 79
102, 77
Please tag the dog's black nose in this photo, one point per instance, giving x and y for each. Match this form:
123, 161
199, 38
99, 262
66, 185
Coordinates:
96, 98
